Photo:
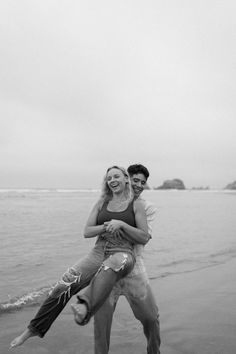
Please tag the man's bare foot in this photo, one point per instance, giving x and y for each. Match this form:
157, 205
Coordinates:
80, 311
22, 338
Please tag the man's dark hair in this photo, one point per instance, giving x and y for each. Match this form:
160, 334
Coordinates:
138, 168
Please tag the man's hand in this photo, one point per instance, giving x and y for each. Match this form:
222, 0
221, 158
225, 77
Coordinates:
113, 226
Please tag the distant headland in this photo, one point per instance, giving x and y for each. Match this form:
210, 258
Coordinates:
178, 184
231, 185
175, 183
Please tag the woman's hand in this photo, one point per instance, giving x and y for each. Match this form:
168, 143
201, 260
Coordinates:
113, 225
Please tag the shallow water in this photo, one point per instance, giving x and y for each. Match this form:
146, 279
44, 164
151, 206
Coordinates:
42, 234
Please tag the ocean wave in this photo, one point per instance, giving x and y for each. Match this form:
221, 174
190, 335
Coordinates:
180, 262
218, 256
47, 190
188, 266
183, 271
77, 190
27, 300
38, 193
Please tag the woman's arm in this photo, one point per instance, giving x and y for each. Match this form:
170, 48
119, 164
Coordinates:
91, 228
138, 234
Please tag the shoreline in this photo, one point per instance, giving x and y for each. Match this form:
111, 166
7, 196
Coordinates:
197, 316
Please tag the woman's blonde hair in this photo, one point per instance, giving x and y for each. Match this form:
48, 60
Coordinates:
107, 193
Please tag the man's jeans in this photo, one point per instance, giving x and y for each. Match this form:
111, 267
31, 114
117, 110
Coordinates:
137, 290
75, 279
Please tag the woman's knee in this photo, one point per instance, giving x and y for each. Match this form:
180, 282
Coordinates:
68, 279
120, 262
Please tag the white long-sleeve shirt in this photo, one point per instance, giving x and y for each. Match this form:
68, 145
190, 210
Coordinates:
150, 210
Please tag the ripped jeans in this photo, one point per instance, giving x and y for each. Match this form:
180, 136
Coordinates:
115, 267
75, 279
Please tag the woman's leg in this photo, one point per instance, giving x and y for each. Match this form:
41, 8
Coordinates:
74, 280
114, 268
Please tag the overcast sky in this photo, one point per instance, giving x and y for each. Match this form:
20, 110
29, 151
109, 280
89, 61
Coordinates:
88, 84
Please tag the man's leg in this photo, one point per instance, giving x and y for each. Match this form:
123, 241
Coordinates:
138, 292
103, 321
141, 299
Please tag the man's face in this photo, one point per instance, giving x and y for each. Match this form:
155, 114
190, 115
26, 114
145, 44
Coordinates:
138, 182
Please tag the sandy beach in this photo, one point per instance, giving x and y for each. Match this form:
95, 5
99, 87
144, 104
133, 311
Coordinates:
198, 316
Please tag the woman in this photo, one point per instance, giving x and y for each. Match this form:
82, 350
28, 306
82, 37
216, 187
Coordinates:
118, 198
125, 221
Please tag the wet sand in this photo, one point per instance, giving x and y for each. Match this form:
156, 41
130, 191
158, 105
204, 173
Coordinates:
197, 312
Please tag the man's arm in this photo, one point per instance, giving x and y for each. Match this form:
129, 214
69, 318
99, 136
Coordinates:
151, 211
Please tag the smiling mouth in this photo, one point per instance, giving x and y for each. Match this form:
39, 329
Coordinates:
114, 185
137, 189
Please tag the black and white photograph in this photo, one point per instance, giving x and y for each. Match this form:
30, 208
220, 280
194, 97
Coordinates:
117, 177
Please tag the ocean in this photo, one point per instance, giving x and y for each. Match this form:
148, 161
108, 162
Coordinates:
41, 235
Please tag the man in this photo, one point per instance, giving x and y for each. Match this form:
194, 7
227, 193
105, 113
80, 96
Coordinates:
135, 287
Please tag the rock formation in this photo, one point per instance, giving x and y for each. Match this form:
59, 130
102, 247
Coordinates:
172, 184
231, 185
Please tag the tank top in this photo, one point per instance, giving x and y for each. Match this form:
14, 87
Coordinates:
117, 243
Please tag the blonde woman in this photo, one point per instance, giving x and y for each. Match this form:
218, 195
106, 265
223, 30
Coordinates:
124, 220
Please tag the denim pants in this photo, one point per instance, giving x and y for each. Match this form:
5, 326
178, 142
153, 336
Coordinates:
115, 267
136, 288
75, 279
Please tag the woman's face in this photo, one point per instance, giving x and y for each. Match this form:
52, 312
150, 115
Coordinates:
116, 180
